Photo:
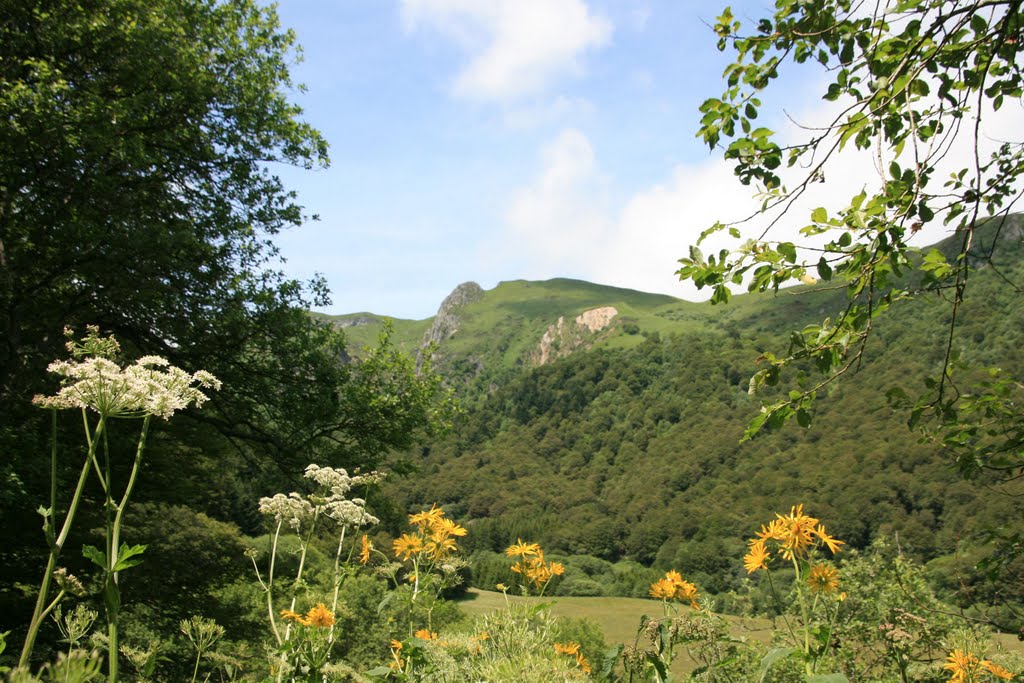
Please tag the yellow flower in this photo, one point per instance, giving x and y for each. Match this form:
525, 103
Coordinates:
582, 663
446, 527
288, 614
502, 587
962, 666
320, 616
663, 589
570, 648
396, 645
998, 671
757, 558
440, 548
823, 579
407, 546
364, 550
833, 544
520, 549
424, 634
557, 568
688, 591
427, 518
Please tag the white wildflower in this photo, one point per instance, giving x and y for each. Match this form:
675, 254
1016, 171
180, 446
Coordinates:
349, 512
150, 386
292, 509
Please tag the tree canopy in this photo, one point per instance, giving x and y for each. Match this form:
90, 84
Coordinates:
910, 79
138, 146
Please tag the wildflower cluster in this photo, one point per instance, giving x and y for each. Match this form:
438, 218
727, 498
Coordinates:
965, 667
334, 484
793, 535
430, 549
531, 564
150, 386
573, 650
433, 539
673, 587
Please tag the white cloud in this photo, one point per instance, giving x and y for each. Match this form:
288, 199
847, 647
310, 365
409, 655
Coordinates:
561, 223
517, 46
547, 113
556, 224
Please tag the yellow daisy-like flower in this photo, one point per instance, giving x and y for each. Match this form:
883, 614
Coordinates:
962, 666
447, 527
427, 518
521, 549
570, 648
294, 616
364, 550
556, 568
833, 544
320, 616
663, 589
757, 558
998, 671
823, 579
424, 634
406, 546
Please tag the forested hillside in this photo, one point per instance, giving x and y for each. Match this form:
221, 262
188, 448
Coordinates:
631, 449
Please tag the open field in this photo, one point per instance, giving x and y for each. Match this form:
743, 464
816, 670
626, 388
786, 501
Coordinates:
617, 617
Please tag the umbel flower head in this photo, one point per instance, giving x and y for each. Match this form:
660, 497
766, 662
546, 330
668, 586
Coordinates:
94, 380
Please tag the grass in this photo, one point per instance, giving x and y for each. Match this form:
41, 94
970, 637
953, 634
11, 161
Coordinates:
617, 617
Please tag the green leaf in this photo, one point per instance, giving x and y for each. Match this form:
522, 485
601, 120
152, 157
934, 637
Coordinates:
128, 556
91, 552
788, 251
819, 215
824, 269
610, 657
385, 602
774, 655
658, 665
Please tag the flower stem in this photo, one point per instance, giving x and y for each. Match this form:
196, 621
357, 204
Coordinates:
57, 545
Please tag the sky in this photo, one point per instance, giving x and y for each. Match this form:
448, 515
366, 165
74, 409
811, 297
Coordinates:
495, 140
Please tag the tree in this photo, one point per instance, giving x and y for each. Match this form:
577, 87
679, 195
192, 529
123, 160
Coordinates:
138, 142
910, 78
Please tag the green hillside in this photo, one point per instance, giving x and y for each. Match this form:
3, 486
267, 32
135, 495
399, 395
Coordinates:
627, 449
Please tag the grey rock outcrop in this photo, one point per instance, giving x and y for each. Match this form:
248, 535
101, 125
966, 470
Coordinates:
446, 322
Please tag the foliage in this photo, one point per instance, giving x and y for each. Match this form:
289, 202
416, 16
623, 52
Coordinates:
138, 192
909, 78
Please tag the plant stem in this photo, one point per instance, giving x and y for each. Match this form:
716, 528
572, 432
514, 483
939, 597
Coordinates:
803, 616
270, 583
114, 542
337, 581
57, 545
195, 671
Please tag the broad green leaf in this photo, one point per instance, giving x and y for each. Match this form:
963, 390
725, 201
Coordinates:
774, 655
91, 552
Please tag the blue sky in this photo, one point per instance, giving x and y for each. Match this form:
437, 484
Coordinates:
492, 140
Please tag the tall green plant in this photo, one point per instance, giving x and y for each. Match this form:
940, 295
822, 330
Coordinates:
93, 382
